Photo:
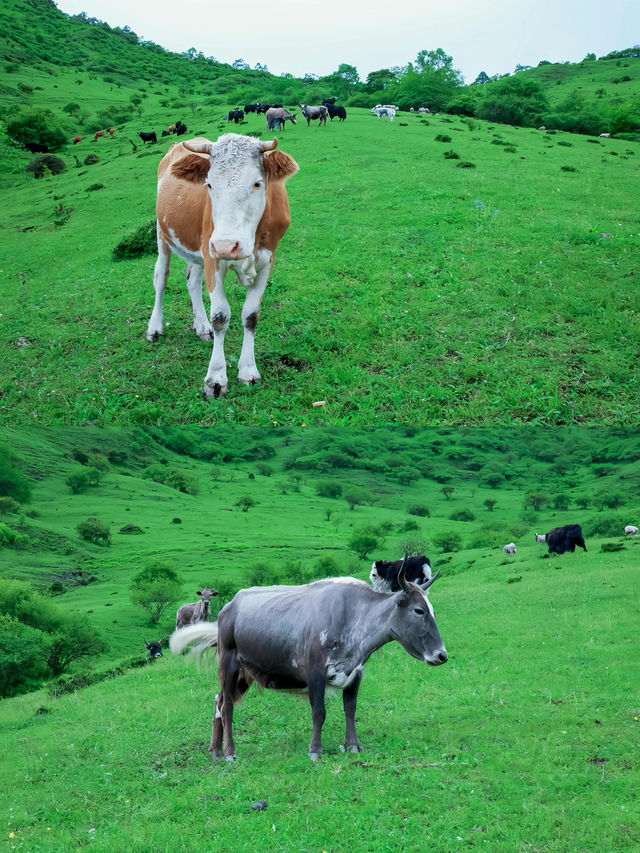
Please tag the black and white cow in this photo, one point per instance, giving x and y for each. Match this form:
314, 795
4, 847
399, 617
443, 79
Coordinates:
562, 539
384, 573
154, 650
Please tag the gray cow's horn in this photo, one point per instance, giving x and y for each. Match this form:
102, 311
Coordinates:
203, 147
402, 579
268, 146
425, 586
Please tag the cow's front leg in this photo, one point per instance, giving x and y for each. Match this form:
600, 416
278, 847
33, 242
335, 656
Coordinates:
318, 713
201, 324
247, 369
160, 274
349, 700
215, 383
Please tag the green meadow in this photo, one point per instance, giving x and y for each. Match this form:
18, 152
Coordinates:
525, 740
438, 269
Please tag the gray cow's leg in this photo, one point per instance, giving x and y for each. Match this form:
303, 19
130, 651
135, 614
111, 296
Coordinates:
316, 700
215, 747
349, 700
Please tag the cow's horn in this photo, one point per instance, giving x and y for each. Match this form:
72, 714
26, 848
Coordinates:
425, 586
198, 147
268, 146
402, 579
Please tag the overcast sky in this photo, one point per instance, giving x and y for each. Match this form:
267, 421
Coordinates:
293, 36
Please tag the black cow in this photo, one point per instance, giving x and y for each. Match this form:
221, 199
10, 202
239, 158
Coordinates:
180, 128
148, 136
265, 107
384, 573
235, 115
329, 101
562, 539
166, 133
252, 108
336, 111
154, 650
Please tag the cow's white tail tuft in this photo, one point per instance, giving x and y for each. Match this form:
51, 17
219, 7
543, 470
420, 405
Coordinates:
202, 636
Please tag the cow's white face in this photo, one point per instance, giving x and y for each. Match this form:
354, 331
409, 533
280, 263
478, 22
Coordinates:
236, 184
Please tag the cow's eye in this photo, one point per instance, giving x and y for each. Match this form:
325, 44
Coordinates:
257, 185
207, 185
419, 611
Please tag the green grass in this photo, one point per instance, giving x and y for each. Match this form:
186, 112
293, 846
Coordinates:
525, 740
406, 290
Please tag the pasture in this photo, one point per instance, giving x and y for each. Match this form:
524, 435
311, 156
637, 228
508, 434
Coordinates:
525, 740
437, 270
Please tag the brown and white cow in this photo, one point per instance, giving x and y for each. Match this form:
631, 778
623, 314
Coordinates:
221, 205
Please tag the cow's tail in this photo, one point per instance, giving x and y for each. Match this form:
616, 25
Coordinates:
202, 637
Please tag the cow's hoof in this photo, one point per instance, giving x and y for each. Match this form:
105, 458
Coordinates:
215, 755
204, 332
248, 382
314, 756
229, 758
153, 336
214, 391
353, 747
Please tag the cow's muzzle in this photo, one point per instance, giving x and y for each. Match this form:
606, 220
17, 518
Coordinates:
438, 658
226, 250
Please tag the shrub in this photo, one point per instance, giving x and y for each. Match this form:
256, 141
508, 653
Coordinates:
442, 137
328, 489
95, 187
78, 481
363, 540
608, 525
140, 242
37, 130
131, 529
451, 155
23, 654
419, 509
9, 505
47, 163
612, 546
465, 164
94, 531
448, 542
155, 588
462, 515
91, 160
245, 502
355, 496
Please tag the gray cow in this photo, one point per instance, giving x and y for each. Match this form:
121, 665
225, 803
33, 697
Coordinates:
319, 112
277, 116
198, 611
307, 638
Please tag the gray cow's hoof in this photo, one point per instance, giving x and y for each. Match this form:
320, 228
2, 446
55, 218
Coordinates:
214, 391
153, 336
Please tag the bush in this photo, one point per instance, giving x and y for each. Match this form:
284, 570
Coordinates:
419, 509
612, 546
78, 481
172, 477
155, 588
608, 525
245, 502
47, 163
9, 505
140, 242
91, 160
13, 482
94, 531
37, 130
23, 654
448, 542
9, 536
328, 489
462, 515
451, 155
363, 541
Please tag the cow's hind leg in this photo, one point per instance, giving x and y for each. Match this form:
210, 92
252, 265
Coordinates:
201, 324
247, 369
349, 700
160, 275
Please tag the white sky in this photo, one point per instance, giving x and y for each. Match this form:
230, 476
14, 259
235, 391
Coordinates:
296, 37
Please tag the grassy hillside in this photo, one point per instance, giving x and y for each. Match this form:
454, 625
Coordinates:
406, 289
439, 270
524, 740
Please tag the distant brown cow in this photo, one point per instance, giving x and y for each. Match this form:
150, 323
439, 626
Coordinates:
112, 130
76, 139
221, 205
99, 134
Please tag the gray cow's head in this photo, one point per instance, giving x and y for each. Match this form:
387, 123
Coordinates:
154, 650
413, 624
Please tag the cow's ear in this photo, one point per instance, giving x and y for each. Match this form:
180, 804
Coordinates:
279, 165
199, 592
191, 168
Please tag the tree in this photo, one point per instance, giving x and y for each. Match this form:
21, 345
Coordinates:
154, 588
73, 640
363, 541
328, 489
514, 100
490, 503
419, 509
379, 80
13, 482
355, 496
78, 481
447, 491
560, 501
482, 78
23, 654
448, 542
245, 502
37, 130
535, 500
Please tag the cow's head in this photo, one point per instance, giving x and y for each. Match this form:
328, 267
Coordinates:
235, 176
206, 594
154, 650
414, 623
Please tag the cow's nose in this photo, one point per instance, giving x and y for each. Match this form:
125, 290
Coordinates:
226, 249
443, 657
